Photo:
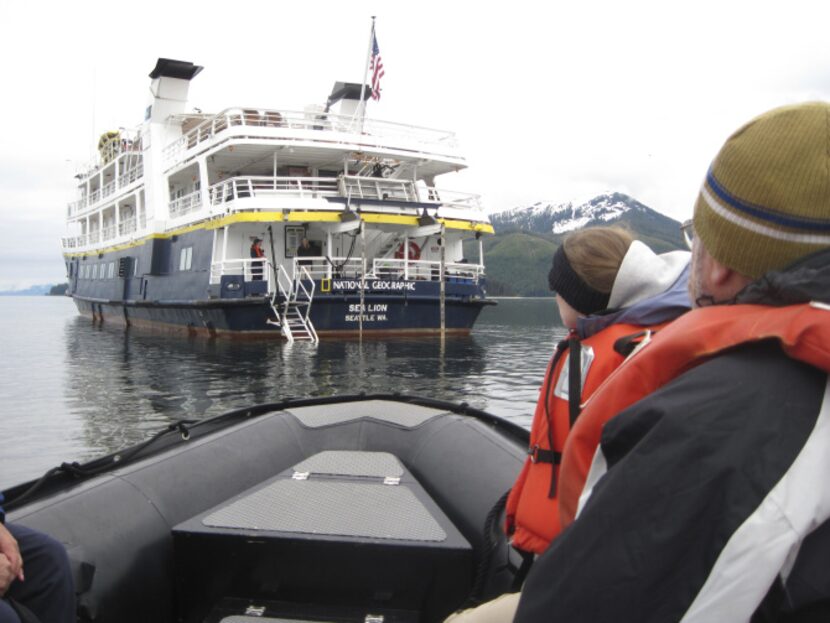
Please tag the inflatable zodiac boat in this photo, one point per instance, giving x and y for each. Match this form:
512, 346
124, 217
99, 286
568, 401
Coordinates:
362, 508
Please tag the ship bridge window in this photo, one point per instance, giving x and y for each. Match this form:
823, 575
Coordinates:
94, 271
186, 258
111, 270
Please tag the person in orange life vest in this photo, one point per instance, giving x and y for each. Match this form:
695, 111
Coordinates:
257, 252
706, 499
610, 290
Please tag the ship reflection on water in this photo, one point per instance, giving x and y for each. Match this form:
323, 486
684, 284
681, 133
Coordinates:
103, 388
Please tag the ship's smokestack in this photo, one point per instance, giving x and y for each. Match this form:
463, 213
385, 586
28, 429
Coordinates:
169, 87
345, 98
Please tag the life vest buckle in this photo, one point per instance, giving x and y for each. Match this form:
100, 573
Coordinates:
540, 455
533, 452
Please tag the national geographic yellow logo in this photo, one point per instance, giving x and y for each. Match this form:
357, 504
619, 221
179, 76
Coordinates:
325, 285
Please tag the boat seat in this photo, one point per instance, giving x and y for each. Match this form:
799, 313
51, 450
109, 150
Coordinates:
403, 415
343, 528
252, 117
273, 119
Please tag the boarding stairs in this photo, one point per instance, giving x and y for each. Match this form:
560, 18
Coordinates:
291, 304
389, 247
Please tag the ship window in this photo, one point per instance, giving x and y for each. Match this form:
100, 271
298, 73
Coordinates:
186, 258
111, 270
95, 271
135, 268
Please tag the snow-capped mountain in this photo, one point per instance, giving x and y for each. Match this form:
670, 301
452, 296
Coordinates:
518, 256
606, 209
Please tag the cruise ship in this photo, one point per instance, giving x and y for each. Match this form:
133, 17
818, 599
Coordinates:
264, 222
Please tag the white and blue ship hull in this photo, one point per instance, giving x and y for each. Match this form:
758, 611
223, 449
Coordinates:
164, 229
187, 302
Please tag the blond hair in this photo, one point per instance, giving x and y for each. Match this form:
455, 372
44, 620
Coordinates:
596, 253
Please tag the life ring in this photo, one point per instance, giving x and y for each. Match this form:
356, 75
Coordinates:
414, 251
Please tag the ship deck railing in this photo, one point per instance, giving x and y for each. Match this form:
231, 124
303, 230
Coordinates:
344, 186
389, 269
394, 268
185, 204
109, 234
328, 128
83, 240
245, 267
125, 180
126, 148
127, 226
237, 194
265, 186
322, 267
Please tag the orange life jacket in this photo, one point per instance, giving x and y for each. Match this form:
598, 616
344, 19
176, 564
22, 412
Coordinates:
532, 519
802, 330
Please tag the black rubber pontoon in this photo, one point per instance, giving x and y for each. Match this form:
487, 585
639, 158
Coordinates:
333, 509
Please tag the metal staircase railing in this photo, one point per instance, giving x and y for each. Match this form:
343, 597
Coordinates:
291, 303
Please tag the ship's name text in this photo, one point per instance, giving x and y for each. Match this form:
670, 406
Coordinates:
374, 284
371, 313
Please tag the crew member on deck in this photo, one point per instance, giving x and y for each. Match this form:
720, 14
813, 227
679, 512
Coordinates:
305, 250
257, 252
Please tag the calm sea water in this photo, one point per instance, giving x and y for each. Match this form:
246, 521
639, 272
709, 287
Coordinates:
71, 391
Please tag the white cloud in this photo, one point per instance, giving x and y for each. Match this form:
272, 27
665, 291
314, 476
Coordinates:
551, 101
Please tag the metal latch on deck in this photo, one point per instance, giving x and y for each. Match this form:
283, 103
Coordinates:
392, 480
299, 476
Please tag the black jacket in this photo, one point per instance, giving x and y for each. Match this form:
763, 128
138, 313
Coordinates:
715, 503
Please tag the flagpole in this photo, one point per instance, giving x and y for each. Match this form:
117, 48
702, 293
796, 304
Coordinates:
362, 103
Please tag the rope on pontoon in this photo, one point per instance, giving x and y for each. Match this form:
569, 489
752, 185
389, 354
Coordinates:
94, 468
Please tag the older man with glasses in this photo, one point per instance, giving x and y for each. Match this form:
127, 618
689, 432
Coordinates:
707, 498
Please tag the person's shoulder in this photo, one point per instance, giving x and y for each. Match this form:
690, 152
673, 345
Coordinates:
744, 385
764, 363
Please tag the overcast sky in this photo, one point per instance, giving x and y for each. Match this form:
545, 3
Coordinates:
552, 101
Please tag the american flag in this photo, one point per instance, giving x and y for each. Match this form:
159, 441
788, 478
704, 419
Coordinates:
377, 68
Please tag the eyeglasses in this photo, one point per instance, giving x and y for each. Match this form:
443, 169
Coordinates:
688, 231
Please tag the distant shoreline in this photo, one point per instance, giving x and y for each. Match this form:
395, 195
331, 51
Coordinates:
507, 298
52, 289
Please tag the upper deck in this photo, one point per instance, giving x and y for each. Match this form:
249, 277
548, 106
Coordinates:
316, 132
178, 168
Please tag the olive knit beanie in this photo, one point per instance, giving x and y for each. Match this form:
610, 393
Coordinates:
766, 199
